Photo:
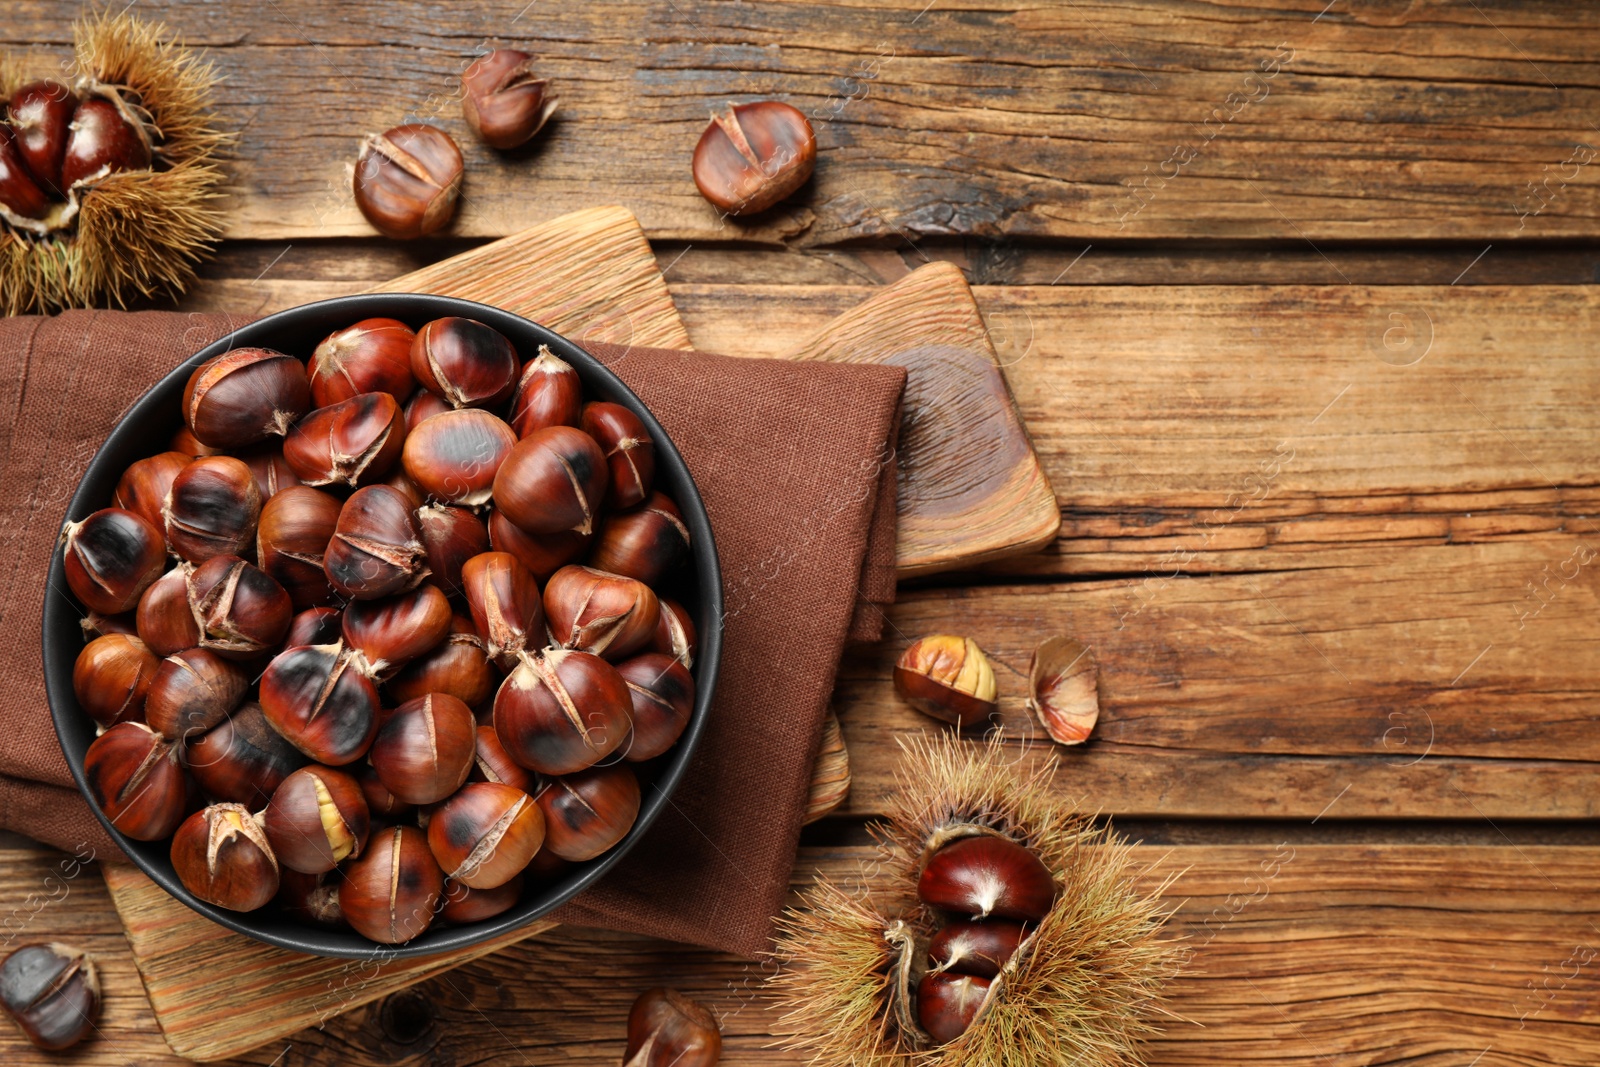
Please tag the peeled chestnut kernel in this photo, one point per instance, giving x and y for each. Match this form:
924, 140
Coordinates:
317, 698
486, 834
407, 180
143, 487
667, 1029
192, 692
311, 898
505, 603
463, 904
674, 633
376, 549
560, 711
241, 610
988, 876
549, 393
467, 363
397, 629
542, 554
242, 759
222, 856
41, 115
458, 665
317, 819
948, 1002
52, 993
424, 748
969, 946
135, 778
293, 533
373, 356
453, 457
593, 611
553, 480
587, 813
165, 621
451, 535
663, 700
422, 407
648, 543
630, 454
351, 442
103, 141
212, 509
315, 626
491, 763
245, 396
391, 893
111, 558
111, 676
502, 99
21, 197
948, 678
753, 155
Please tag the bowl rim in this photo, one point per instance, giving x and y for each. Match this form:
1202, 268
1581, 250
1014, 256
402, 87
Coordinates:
127, 438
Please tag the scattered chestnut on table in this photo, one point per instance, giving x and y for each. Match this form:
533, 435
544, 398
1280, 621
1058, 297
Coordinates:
503, 101
753, 155
407, 180
52, 993
948, 678
667, 1029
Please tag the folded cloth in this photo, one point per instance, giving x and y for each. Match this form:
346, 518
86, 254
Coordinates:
795, 464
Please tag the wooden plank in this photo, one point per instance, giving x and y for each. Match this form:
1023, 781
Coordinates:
1093, 121
1348, 955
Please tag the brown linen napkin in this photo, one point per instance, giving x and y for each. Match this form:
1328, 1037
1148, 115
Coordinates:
795, 464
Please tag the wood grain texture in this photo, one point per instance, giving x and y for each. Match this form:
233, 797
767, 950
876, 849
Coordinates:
1301, 954
970, 488
1169, 119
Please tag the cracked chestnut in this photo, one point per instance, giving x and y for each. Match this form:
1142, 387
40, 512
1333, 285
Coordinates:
376, 549
667, 1029
315, 626
111, 677
192, 692
587, 813
424, 748
542, 554
317, 698
222, 856
52, 993
674, 633
212, 509
506, 606
491, 763
350, 442
504, 102
549, 393
560, 711
484, 835
292, 534
373, 356
164, 620
593, 611
311, 898
753, 155
648, 543
111, 557
241, 610
451, 535
662, 691
143, 487
245, 396
947, 677
392, 892
630, 454
467, 363
553, 480
136, 779
392, 631
242, 759
407, 180
458, 665
316, 820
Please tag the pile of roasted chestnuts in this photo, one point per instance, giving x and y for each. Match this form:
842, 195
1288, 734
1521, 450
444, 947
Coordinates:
378, 636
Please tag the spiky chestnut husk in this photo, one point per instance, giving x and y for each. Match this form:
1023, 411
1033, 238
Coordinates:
1081, 989
136, 233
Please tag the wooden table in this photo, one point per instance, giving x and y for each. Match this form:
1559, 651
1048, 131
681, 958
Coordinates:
1299, 306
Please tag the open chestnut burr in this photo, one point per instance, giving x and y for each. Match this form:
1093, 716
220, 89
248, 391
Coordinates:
242, 759
321, 702
316, 820
376, 549
560, 711
223, 857
110, 558
392, 892
589, 812
554, 479
372, 356
425, 748
136, 778
245, 396
593, 611
350, 442
212, 509
484, 835
506, 606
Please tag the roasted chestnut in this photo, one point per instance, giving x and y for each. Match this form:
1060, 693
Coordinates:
502, 99
52, 993
242, 612
111, 676
663, 700
317, 698
629, 452
587, 813
351, 442
553, 480
948, 678
467, 363
542, 554
453, 456
485, 835
317, 819
674, 633
293, 533
648, 543
192, 692
185, 442
165, 621
667, 1029
753, 155
376, 549
407, 180
987, 876
242, 760
423, 406
463, 904
451, 535
458, 665
110, 558
135, 778
948, 1002
272, 471
311, 898
245, 396
593, 611
373, 356
505, 604
41, 114
391, 893
397, 629
212, 509
315, 626
143, 487
970, 946
561, 711
424, 748
549, 393
491, 763
222, 856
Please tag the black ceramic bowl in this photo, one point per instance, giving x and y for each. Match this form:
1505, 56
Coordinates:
145, 430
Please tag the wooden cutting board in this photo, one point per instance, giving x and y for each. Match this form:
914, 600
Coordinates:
591, 276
